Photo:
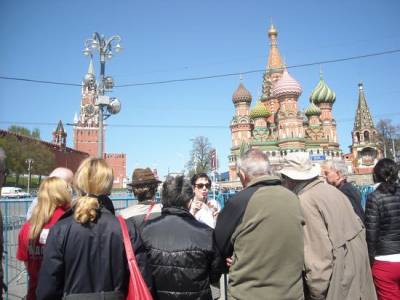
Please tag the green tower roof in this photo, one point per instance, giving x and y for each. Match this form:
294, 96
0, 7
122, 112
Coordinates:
259, 111
322, 93
312, 110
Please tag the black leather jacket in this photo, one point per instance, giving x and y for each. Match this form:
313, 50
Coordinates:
182, 254
88, 258
382, 223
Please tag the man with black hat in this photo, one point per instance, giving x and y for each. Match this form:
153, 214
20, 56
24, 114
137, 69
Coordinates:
144, 186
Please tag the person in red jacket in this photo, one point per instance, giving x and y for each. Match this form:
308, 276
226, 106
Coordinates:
54, 199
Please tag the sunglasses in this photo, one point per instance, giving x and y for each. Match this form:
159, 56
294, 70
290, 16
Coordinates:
201, 185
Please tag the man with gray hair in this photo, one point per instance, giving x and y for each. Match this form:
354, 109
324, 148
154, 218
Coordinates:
335, 173
336, 263
259, 232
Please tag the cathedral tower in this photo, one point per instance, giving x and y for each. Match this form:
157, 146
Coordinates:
273, 73
365, 146
324, 97
241, 125
289, 120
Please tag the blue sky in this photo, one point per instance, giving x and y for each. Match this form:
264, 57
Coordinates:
166, 40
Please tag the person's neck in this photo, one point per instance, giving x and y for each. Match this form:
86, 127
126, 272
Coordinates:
202, 199
341, 182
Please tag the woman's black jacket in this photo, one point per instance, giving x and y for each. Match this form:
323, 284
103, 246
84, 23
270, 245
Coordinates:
88, 258
182, 254
383, 223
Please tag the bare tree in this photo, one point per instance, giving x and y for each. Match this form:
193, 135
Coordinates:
389, 137
199, 156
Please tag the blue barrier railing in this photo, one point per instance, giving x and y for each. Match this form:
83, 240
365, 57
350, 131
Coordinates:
14, 216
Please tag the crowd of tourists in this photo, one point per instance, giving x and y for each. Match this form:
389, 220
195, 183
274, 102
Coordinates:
299, 232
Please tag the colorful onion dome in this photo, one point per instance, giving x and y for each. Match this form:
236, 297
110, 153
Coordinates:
259, 111
286, 85
312, 110
322, 93
241, 95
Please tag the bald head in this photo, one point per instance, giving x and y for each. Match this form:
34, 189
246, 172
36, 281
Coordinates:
63, 173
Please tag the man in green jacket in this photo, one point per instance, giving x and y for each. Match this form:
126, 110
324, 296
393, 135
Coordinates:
260, 229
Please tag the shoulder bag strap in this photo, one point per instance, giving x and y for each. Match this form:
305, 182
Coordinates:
141, 290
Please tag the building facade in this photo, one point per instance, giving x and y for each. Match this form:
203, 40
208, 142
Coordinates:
365, 148
86, 129
275, 124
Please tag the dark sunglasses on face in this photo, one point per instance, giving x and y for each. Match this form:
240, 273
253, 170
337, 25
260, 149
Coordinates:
201, 185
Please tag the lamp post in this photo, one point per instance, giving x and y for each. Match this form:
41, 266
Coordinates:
29, 161
107, 106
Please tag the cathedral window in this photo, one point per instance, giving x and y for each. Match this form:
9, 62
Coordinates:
357, 137
366, 136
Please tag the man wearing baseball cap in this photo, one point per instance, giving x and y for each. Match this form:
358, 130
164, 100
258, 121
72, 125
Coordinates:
335, 251
144, 186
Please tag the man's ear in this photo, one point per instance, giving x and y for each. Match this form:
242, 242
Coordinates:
243, 178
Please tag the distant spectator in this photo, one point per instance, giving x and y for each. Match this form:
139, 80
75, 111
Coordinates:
85, 253
182, 252
335, 250
335, 173
383, 230
54, 199
259, 232
204, 210
144, 186
2, 173
60, 172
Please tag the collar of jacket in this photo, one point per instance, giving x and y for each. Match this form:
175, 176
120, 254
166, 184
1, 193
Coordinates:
310, 185
179, 211
265, 180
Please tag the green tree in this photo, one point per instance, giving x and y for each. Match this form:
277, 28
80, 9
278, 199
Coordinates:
199, 156
18, 150
25, 131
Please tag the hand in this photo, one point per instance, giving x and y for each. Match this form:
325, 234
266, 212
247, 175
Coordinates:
229, 261
195, 206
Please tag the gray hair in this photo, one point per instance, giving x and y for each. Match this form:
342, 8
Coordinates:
254, 163
336, 165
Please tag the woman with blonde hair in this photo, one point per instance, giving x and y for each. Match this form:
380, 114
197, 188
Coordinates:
54, 199
85, 256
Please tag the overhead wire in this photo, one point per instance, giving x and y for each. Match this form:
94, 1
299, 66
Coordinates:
329, 61
215, 126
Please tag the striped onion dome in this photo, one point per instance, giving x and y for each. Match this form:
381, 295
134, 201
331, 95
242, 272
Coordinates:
312, 110
322, 93
259, 111
241, 95
286, 85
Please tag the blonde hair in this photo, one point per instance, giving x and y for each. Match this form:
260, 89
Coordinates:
53, 192
93, 178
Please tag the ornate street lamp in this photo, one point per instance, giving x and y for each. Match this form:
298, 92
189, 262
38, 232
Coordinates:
29, 161
107, 106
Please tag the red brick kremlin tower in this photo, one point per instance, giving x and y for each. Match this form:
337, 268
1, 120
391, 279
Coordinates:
275, 124
86, 132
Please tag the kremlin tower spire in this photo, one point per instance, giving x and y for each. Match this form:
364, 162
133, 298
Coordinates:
60, 136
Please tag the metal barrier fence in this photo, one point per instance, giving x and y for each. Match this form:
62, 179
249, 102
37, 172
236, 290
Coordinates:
14, 215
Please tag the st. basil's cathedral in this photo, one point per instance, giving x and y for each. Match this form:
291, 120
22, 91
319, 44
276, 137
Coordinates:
276, 126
